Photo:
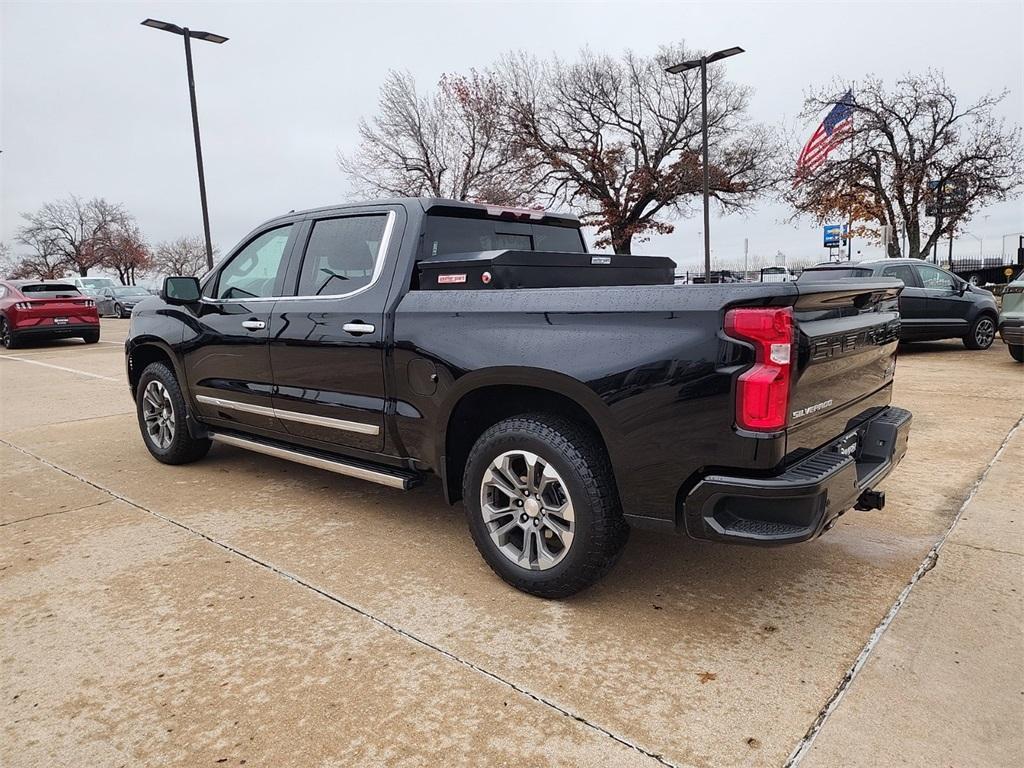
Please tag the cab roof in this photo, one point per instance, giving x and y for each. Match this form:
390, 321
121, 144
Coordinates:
441, 205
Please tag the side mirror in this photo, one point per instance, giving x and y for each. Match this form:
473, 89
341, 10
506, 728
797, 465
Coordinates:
180, 290
961, 287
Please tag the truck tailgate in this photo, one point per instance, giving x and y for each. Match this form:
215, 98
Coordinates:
847, 333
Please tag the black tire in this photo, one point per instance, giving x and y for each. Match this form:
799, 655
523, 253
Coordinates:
1017, 352
91, 337
600, 532
982, 333
118, 311
8, 337
182, 448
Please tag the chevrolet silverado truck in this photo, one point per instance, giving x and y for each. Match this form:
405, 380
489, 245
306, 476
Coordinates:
563, 397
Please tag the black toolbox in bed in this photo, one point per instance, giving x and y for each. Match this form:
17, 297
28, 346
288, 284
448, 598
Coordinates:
490, 270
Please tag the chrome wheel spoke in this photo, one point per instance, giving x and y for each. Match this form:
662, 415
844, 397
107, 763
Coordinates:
158, 414
526, 508
493, 512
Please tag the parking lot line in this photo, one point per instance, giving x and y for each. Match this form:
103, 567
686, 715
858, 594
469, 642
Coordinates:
59, 368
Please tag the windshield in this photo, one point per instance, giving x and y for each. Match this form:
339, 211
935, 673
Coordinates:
131, 290
96, 282
452, 234
832, 273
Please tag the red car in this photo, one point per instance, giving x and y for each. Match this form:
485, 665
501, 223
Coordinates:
37, 309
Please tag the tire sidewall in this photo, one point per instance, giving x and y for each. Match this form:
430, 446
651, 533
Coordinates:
493, 446
160, 372
9, 341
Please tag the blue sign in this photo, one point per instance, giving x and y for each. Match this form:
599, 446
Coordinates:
835, 234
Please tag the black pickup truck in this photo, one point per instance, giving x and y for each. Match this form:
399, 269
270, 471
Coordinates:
391, 340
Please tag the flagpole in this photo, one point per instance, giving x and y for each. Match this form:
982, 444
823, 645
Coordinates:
849, 224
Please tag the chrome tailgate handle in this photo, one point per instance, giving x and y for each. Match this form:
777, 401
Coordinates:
253, 325
357, 328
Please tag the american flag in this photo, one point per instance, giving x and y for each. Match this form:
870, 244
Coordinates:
833, 131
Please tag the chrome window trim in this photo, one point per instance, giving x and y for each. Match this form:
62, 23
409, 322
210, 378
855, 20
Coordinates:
378, 267
303, 418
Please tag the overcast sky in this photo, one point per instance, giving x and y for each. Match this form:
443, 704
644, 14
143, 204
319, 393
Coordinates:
96, 105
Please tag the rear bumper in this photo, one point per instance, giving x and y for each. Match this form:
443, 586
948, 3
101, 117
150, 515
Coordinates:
806, 499
1011, 330
55, 331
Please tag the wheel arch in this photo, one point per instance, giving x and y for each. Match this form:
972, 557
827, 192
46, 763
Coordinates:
144, 351
482, 400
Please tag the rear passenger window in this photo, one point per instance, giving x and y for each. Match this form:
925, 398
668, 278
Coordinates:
252, 273
341, 256
900, 272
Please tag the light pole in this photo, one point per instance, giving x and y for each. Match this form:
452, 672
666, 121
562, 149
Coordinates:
209, 37
675, 69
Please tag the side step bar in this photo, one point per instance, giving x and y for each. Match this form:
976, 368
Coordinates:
393, 478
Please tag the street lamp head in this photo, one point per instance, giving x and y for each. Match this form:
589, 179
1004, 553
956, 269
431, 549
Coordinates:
210, 37
675, 69
725, 53
166, 26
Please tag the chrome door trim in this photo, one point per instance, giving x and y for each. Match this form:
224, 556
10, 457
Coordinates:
303, 418
378, 267
234, 405
339, 467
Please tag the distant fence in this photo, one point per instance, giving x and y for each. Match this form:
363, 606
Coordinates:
766, 275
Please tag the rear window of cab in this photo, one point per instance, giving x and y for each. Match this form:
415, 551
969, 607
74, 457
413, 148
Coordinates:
49, 291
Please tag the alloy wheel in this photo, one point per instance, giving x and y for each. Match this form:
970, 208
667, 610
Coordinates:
984, 333
527, 510
158, 414
5, 333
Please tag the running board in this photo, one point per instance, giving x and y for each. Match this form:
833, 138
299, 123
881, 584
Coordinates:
393, 478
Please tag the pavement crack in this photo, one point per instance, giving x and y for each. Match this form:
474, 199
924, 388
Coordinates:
58, 512
384, 623
929, 562
985, 549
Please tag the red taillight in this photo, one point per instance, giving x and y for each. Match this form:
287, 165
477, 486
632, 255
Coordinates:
762, 393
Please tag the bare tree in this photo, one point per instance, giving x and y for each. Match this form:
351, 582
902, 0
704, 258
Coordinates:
902, 139
43, 262
450, 143
73, 231
183, 256
620, 139
125, 251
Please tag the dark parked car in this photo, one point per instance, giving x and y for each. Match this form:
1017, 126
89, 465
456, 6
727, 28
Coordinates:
389, 340
120, 300
935, 304
36, 309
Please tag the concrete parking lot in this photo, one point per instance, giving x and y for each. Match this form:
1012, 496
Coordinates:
248, 611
